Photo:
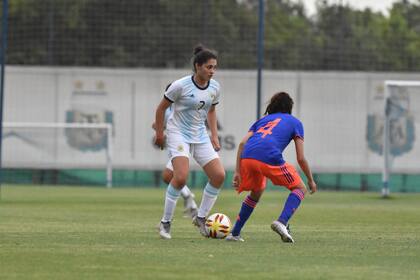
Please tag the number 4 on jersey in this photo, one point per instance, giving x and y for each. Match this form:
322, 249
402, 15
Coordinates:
266, 129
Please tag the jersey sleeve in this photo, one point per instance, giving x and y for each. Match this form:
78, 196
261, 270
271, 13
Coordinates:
173, 92
216, 98
299, 130
253, 128
167, 113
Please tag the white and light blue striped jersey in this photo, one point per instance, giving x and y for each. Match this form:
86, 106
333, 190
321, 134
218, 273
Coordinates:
168, 112
191, 104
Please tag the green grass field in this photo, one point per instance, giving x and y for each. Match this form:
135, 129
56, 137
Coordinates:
97, 233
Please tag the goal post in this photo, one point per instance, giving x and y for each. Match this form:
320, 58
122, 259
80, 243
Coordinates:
58, 146
401, 115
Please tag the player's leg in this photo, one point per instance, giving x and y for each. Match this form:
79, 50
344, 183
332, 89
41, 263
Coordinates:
181, 168
206, 157
180, 162
190, 206
292, 203
216, 175
168, 173
291, 179
297, 194
248, 206
251, 179
165, 226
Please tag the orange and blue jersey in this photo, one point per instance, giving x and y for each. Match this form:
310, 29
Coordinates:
272, 134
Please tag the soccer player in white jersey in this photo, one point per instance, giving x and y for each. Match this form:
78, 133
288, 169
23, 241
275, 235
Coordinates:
190, 207
193, 99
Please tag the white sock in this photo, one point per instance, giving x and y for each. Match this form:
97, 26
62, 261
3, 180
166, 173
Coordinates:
185, 192
209, 198
171, 198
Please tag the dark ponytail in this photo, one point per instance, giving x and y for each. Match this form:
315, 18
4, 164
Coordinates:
280, 102
198, 49
201, 55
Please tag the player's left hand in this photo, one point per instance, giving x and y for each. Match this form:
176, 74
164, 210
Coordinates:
215, 142
312, 186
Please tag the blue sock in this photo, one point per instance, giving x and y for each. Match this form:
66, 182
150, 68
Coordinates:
246, 210
291, 205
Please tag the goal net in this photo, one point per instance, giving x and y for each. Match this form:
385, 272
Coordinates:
401, 149
58, 146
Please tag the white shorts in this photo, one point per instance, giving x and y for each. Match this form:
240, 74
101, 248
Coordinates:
169, 165
203, 153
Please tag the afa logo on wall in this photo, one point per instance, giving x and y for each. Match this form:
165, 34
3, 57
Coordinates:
88, 106
401, 128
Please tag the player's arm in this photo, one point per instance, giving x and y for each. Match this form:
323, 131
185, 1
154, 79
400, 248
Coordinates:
212, 121
237, 176
159, 122
303, 163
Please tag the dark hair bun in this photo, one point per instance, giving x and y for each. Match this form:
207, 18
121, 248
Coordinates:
198, 49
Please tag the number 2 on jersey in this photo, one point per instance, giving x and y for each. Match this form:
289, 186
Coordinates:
267, 129
202, 103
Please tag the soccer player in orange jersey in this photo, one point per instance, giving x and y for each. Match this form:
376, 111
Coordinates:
260, 157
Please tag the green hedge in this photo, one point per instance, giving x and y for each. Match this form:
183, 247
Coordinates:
197, 179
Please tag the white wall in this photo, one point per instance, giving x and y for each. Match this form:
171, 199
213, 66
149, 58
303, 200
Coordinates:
332, 105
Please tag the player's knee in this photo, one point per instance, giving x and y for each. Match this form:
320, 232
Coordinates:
180, 179
218, 178
255, 195
167, 175
300, 188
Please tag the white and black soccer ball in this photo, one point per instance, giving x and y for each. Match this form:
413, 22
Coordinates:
218, 225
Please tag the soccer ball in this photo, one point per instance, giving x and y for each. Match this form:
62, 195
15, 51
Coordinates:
218, 225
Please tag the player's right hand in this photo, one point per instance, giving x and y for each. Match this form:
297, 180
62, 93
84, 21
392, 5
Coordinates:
236, 181
160, 140
312, 187
215, 142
